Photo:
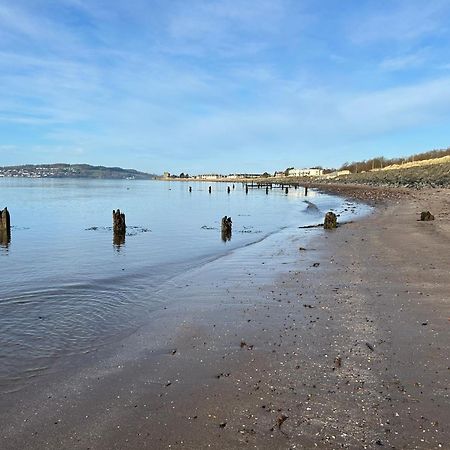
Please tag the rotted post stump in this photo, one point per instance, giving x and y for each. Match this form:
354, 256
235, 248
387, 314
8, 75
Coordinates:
5, 227
119, 226
5, 221
226, 228
330, 221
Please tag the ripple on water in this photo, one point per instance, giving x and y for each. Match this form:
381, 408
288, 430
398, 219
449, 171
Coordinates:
41, 326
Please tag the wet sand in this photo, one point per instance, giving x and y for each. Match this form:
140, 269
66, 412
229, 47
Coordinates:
348, 348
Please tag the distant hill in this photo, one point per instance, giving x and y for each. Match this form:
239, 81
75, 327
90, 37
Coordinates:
73, 171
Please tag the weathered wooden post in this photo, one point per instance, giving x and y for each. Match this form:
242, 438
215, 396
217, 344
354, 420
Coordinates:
306, 191
209, 189
119, 226
233, 186
228, 189
5, 221
5, 227
330, 221
286, 190
267, 190
190, 188
226, 228
246, 188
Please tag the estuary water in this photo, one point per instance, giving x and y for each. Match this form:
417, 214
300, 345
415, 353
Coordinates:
67, 288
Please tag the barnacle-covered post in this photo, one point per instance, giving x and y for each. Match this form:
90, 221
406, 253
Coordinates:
330, 221
119, 226
226, 228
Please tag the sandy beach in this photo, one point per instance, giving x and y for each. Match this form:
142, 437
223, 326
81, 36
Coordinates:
348, 348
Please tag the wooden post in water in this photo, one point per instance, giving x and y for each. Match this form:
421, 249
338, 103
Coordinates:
226, 228
246, 188
190, 188
5, 221
5, 227
228, 189
209, 189
286, 190
330, 221
267, 190
119, 226
306, 191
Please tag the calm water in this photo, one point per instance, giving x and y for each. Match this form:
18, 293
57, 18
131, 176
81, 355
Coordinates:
66, 288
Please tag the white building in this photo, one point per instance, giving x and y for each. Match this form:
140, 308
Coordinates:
305, 172
338, 173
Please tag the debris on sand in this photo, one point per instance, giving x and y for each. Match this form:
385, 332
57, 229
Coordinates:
337, 362
281, 419
426, 216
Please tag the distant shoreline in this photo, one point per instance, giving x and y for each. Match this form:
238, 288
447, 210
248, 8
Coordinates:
414, 176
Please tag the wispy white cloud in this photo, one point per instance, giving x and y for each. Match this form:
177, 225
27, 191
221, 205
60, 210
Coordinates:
403, 62
193, 81
399, 20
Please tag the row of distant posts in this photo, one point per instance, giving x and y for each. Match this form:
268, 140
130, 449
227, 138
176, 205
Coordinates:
267, 186
119, 223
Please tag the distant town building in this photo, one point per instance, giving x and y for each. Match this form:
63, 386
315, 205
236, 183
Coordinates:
210, 176
166, 174
305, 172
338, 173
245, 175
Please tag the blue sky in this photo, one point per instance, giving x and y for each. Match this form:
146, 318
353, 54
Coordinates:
231, 85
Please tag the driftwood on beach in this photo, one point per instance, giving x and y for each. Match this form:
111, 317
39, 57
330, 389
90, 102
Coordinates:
321, 225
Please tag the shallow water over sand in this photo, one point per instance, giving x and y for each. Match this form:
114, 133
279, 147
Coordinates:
66, 288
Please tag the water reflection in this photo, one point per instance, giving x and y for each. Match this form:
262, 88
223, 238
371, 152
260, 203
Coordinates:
118, 240
5, 238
